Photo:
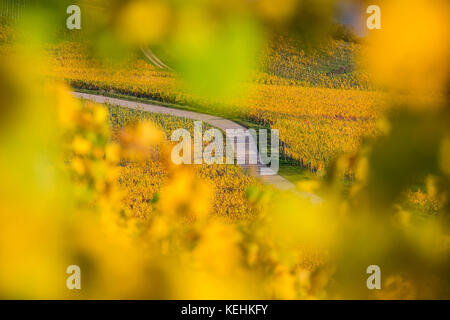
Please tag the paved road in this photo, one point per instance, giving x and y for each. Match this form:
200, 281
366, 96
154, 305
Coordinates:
217, 122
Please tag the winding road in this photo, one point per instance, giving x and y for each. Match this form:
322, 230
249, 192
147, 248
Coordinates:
255, 169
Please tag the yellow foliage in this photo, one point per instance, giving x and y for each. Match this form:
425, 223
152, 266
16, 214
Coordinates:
143, 22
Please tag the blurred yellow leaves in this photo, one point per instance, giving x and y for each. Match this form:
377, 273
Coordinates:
67, 107
277, 11
397, 287
29, 268
143, 228
81, 145
444, 156
218, 249
308, 185
185, 197
283, 286
112, 153
139, 141
194, 29
144, 22
410, 53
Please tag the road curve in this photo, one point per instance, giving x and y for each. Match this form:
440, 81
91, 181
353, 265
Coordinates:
217, 122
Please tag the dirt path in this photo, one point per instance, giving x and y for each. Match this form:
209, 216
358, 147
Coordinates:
221, 123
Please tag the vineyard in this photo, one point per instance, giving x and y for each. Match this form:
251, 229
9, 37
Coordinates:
210, 208
317, 124
332, 64
363, 126
339, 118
142, 181
13, 9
